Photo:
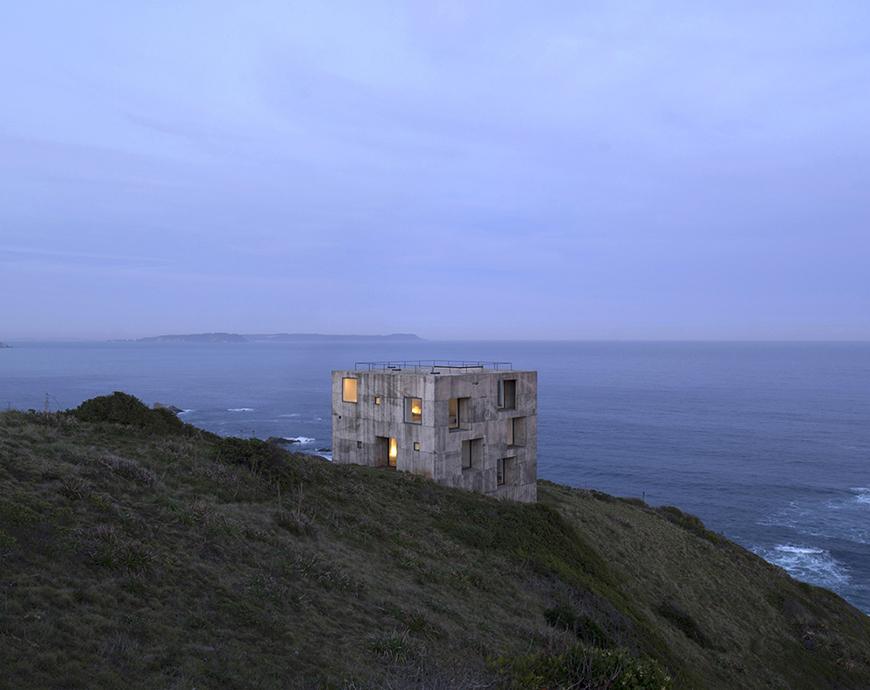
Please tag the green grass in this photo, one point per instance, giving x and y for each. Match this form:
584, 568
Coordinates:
137, 551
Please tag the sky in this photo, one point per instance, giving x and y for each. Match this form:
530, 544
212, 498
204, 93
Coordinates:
601, 170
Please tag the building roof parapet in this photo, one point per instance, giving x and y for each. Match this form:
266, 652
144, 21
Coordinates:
433, 366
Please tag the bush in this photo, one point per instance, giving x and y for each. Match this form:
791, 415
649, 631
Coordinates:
128, 469
256, 455
688, 522
681, 620
395, 646
564, 617
122, 408
584, 667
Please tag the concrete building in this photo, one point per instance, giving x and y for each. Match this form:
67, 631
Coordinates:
465, 424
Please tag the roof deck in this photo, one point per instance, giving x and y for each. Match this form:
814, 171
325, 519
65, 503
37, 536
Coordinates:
433, 366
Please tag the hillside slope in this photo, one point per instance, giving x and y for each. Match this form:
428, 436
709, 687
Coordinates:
141, 552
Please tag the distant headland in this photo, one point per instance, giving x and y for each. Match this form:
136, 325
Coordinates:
4, 346
270, 337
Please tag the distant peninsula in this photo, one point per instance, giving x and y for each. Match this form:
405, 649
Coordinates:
324, 337
194, 338
272, 337
4, 346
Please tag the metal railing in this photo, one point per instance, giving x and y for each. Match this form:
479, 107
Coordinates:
432, 365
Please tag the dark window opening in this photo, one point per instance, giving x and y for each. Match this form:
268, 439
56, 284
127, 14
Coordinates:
457, 413
516, 431
505, 471
507, 394
472, 452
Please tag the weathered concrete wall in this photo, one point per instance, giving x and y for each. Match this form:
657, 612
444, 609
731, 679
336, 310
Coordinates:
491, 424
357, 426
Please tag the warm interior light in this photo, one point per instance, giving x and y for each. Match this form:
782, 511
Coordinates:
394, 448
416, 409
349, 389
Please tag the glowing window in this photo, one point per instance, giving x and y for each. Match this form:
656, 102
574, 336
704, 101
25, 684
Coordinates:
377, 400
349, 389
416, 445
414, 410
394, 452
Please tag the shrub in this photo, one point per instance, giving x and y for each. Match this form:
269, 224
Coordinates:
106, 547
683, 621
129, 469
74, 488
122, 408
584, 667
688, 522
394, 646
256, 455
564, 617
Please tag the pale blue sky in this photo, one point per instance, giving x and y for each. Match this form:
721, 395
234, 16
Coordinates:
455, 169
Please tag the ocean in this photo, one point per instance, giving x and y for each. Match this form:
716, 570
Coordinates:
768, 443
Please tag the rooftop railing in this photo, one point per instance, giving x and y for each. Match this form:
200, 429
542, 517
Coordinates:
432, 365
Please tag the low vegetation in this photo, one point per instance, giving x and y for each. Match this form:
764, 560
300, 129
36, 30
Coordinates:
137, 551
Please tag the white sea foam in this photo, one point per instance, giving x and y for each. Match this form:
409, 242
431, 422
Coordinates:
185, 412
807, 563
301, 440
291, 414
836, 518
240, 409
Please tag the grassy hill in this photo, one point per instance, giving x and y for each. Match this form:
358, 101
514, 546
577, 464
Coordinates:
137, 551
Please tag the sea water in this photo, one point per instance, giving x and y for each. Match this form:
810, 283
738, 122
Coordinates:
767, 443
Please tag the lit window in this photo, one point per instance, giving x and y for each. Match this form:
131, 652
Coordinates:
349, 389
507, 394
394, 451
414, 410
377, 400
416, 445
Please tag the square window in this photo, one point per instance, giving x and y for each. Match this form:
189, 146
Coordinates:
377, 400
507, 394
504, 471
349, 387
472, 451
516, 431
416, 445
414, 410
457, 413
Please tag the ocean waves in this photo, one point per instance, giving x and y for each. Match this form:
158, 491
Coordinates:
807, 563
843, 517
862, 495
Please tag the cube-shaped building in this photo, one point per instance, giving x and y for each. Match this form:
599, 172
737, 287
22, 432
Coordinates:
465, 424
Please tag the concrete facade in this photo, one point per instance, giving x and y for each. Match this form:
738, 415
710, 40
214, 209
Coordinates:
468, 427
